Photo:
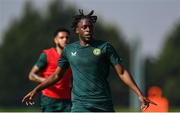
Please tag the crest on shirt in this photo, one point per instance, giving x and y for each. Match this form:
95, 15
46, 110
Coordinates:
97, 51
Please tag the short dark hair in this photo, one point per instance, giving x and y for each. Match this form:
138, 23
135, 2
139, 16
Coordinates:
60, 29
77, 18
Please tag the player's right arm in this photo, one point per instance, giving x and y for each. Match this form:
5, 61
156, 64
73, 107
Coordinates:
52, 79
34, 75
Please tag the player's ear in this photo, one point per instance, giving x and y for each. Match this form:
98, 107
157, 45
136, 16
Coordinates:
55, 40
77, 30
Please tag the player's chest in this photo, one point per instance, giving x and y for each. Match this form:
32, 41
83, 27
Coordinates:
86, 56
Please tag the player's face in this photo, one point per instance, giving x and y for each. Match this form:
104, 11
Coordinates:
61, 39
85, 29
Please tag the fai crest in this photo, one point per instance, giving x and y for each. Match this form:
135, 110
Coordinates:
97, 51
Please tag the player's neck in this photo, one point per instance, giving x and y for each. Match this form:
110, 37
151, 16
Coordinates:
85, 43
58, 49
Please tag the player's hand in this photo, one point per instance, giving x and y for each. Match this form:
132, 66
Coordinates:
145, 103
28, 99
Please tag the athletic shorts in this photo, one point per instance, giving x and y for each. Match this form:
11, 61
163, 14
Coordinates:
55, 105
78, 107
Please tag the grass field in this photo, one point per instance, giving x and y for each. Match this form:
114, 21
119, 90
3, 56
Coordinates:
36, 109
126, 109
25, 109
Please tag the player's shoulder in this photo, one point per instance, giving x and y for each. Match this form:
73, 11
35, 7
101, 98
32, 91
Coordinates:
72, 45
99, 41
47, 50
102, 43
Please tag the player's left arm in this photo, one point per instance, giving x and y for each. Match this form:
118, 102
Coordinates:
125, 76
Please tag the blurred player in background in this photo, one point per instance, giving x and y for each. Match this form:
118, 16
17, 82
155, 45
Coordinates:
155, 94
56, 98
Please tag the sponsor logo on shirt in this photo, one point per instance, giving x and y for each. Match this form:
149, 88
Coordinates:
73, 53
97, 51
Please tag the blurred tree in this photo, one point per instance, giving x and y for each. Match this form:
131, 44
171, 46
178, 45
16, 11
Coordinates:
165, 70
29, 34
19, 44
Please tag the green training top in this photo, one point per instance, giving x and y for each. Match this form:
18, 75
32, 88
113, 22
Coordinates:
42, 61
90, 66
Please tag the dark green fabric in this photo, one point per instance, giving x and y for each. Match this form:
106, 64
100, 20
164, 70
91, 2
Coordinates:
90, 66
42, 61
84, 108
55, 105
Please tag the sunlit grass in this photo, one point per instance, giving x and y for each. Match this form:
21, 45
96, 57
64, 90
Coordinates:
37, 109
17, 109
